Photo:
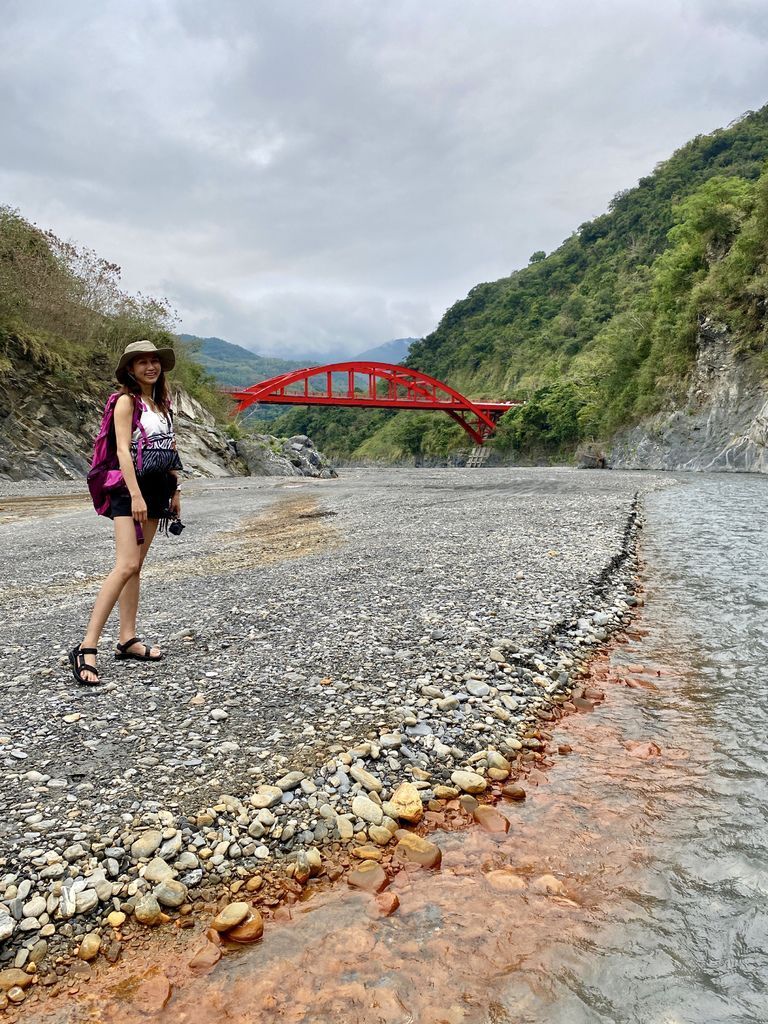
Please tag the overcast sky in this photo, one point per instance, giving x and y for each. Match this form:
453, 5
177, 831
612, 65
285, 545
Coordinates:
311, 176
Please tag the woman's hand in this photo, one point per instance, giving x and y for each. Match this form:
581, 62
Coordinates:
176, 504
139, 508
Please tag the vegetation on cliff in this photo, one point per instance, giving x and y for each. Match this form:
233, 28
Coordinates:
64, 319
602, 331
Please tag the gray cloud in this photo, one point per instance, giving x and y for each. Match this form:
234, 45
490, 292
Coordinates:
318, 176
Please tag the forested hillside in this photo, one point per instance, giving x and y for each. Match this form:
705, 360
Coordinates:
603, 331
64, 316
64, 320
233, 365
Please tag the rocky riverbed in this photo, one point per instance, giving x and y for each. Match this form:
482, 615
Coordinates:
326, 641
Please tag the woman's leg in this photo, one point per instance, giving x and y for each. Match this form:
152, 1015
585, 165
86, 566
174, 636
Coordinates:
129, 595
127, 565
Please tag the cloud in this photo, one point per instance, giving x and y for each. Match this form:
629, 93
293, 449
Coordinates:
305, 174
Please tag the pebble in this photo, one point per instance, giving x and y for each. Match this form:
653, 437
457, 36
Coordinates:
548, 884
414, 849
469, 782
379, 834
406, 803
157, 870
370, 877
249, 930
12, 977
267, 796
366, 779
504, 881
86, 900
147, 910
386, 903
205, 957
90, 946
513, 792
345, 827
34, 908
146, 844
116, 919
231, 916
363, 807
490, 819
170, 893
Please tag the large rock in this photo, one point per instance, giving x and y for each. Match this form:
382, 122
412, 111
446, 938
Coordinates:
265, 455
47, 427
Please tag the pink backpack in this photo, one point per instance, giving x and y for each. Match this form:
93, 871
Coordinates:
105, 475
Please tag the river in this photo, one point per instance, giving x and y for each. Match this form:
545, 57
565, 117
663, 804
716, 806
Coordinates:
652, 822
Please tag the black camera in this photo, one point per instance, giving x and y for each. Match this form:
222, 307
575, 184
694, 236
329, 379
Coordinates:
176, 527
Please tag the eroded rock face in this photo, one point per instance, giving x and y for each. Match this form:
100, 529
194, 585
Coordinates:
721, 426
47, 428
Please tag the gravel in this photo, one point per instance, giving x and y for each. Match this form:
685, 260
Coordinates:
325, 641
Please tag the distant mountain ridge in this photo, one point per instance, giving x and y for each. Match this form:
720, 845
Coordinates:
235, 366
390, 352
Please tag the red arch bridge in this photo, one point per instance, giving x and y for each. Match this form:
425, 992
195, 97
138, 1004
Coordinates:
377, 386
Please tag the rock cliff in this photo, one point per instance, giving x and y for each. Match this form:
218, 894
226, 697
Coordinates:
723, 425
47, 431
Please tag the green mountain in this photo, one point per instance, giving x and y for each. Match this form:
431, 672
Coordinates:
235, 366
604, 331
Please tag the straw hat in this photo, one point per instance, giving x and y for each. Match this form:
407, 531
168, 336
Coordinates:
166, 356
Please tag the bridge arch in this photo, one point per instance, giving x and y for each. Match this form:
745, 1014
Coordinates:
384, 386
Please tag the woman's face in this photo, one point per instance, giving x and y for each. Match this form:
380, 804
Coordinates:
146, 369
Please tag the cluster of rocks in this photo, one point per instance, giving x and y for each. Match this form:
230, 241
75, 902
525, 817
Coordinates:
265, 455
364, 793
421, 698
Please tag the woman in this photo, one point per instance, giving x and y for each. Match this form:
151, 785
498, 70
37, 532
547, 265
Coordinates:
149, 464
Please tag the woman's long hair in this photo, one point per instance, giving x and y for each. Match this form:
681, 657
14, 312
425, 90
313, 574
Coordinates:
160, 394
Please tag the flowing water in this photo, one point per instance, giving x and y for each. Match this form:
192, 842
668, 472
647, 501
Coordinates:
654, 824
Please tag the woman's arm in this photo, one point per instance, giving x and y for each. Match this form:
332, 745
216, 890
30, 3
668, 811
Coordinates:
123, 419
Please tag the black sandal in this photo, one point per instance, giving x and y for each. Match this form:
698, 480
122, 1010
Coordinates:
122, 653
80, 665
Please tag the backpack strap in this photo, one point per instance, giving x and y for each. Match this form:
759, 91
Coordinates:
136, 424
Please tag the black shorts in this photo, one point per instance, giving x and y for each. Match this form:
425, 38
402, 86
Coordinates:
157, 490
